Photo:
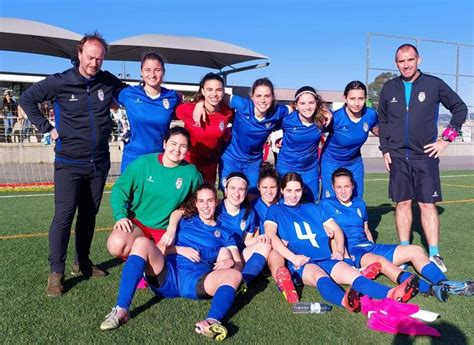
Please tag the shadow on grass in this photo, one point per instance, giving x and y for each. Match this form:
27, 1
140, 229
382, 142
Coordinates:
375, 217
241, 300
106, 265
377, 212
144, 307
450, 334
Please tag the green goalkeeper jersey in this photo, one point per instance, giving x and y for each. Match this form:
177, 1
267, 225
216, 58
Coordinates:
149, 191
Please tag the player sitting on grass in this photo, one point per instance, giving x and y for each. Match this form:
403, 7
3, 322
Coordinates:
307, 233
350, 213
268, 188
197, 267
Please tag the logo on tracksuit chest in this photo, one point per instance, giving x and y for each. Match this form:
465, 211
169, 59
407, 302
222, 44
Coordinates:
421, 96
100, 95
179, 183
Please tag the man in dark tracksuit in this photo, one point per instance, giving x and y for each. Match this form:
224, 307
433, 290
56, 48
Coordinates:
81, 98
408, 122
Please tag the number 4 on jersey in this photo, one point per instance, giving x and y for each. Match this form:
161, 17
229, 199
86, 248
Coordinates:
308, 235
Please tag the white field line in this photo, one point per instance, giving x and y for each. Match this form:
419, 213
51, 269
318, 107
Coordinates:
108, 192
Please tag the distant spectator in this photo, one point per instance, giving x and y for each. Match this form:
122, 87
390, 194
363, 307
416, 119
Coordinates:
118, 117
9, 111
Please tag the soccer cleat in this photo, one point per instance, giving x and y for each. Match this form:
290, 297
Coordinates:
372, 271
118, 316
286, 286
351, 301
406, 290
460, 288
90, 270
242, 289
440, 292
438, 261
55, 286
211, 328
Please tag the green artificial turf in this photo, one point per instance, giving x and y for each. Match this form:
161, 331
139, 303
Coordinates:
261, 316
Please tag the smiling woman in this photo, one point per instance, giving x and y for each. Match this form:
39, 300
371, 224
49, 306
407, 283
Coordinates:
150, 189
149, 109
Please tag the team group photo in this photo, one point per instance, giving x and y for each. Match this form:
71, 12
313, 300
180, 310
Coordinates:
173, 213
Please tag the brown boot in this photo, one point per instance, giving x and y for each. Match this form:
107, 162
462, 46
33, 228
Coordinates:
55, 286
87, 271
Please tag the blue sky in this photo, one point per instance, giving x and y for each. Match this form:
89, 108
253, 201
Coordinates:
310, 42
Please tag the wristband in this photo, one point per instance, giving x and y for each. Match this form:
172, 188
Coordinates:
449, 134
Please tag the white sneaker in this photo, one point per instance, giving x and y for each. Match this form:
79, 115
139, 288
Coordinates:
438, 261
118, 316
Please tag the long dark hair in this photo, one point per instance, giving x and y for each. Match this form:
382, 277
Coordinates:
265, 82
210, 76
190, 208
290, 177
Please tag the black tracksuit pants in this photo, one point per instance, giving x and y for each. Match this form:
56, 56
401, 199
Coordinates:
76, 187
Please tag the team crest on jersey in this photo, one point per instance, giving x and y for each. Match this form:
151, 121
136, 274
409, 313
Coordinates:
166, 103
221, 126
365, 126
179, 183
268, 124
217, 233
100, 94
328, 194
359, 212
138, 100
243, 224
421, 96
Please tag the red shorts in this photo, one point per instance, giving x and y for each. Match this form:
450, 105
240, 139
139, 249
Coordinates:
151, 233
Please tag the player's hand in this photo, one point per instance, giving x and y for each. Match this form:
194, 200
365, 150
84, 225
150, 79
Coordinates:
199, 114
436, 148
189, 253
168, 238
299, 260
387, 161
54, 134
337, 255
124, 225
223, 264
264, 239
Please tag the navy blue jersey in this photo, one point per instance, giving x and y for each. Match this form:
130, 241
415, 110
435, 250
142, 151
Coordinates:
149, 119
248, 133
299, 150
346, 137
350, 218
236, 225
302, 227
206, 239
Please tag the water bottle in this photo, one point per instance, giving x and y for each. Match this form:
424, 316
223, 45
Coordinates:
310, 307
